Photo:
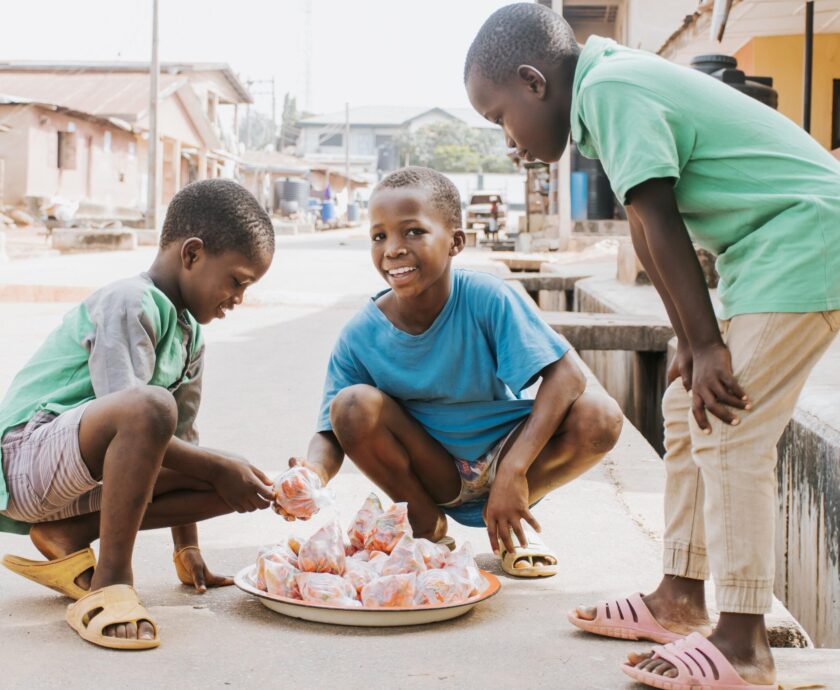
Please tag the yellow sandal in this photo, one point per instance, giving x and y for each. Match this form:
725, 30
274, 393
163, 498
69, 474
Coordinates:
59, 574
117, 604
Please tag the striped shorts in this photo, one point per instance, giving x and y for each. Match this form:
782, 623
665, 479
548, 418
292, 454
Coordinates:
46, 477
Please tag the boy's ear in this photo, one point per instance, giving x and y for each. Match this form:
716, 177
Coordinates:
459, 241
191, 251
533, 78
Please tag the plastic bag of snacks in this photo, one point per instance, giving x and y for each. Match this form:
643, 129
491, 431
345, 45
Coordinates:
323, 552
363, 522
300, 492
463, 568
359, 573
434, 555
436, 587
326, 588
405, 558
280, 579
391, 591
388, 529
266, 555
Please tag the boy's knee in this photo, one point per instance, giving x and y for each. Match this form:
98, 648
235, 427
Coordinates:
600, 423
152, 410
355, 410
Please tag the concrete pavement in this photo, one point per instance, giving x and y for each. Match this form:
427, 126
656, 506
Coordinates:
264, 374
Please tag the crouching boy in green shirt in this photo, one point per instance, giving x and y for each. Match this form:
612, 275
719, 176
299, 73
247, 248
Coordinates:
98, 429
692, 159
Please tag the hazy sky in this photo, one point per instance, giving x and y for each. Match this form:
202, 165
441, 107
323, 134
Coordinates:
367, 52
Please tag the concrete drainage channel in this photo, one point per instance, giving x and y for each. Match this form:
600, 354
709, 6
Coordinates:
627, 349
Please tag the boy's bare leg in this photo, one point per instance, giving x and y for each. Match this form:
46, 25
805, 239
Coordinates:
394, 451
397, 454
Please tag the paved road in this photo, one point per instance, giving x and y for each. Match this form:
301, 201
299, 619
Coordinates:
264, 374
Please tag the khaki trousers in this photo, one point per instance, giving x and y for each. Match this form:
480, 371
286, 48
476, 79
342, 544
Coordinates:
720, 488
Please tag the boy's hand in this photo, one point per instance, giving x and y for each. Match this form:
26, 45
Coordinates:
507, 506
681, 366
241, 485
194, 571
300, 462
713, 387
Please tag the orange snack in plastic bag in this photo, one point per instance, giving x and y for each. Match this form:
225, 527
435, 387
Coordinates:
326, 588
363, 522
280, 579
391, 591
323, 552
437, 587
388, 529
434, 555
294, 543
300, 492
359, 573
268, 554
405, 558
463, 568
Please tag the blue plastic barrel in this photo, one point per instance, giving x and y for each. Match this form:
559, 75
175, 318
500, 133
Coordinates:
579, 192
327, 211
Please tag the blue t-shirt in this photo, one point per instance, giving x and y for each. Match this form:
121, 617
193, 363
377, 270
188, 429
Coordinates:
462, 379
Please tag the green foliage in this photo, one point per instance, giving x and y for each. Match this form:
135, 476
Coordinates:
256, 130
454, 147
288, 125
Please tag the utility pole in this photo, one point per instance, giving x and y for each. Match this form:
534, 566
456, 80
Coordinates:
347, 150
809, 66
154, 74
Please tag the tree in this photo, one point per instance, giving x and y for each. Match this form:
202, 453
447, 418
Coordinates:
453, 146
256, 130
289, 130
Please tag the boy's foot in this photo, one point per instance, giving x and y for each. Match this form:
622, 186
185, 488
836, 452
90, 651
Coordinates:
113, 617
54, 541
754, 663
676, 610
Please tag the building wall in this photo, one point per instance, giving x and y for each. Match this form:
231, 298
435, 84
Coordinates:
782, 57
108, 179
14, 145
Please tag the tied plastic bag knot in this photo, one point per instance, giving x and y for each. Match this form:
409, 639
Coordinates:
300, 492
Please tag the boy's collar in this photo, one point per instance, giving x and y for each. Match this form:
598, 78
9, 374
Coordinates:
593, 49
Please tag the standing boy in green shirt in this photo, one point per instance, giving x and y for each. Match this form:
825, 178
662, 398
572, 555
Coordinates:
97, 430
692, 159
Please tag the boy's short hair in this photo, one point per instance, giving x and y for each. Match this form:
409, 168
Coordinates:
223, 214
520, 34
442, 192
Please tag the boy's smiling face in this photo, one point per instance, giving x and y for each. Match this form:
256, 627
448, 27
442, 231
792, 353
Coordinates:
213, 284
535, 119
411, 245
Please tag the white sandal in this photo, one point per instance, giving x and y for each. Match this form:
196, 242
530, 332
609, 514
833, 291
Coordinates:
534, 550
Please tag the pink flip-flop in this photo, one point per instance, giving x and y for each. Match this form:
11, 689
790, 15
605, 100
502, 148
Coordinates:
700, 666
626, 619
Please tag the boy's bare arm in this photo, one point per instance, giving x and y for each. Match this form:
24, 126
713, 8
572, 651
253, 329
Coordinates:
562, 384
674, 260
324, 455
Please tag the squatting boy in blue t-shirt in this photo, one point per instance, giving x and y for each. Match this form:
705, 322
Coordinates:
424, 386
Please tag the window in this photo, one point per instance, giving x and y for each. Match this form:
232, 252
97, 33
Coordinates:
835, 116
331, 140
66, 150
106, 142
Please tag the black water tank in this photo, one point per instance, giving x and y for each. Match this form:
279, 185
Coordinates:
725, 68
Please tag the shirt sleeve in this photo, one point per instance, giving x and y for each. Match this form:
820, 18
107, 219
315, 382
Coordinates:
524, 343
343, 370
638, 134
188, 397
121, 345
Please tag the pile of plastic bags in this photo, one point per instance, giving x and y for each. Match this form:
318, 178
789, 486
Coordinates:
382, 566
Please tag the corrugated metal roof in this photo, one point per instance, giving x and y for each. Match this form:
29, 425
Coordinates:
105, 94
171, 68
747, 19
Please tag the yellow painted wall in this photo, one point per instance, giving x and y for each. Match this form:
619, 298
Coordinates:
782, 57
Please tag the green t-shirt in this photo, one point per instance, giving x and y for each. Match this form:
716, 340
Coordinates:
124, 335
752, 186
